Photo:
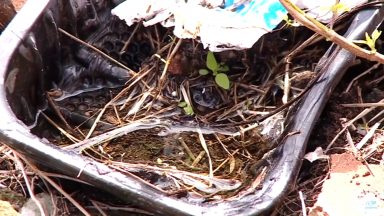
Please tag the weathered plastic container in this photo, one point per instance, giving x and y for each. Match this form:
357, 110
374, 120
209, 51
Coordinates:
30, 59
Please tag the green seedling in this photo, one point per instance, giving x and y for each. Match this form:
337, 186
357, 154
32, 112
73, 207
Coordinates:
370, 41
218, 71
186, 107
340, 8
290, 22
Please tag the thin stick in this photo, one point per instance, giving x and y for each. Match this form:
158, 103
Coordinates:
130, 38
330, 34
222, 144
113, 100
303, 208
205, 147
96, 204
28, 184
69, 136
126, 89
65, 194
186, 96
368, 136
59, 114
360, 115
359, 105
198, 158
226, 160
132, 72
169, 59
374, 118
57, 187
362, 74
279, 109
187, 149
287, 84
117, 114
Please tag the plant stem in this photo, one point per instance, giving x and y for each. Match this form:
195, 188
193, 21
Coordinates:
331, 35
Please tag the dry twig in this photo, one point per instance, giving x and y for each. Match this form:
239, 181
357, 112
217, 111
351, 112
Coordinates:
330, 34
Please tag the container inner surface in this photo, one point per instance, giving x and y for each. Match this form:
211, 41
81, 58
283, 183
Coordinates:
155, 106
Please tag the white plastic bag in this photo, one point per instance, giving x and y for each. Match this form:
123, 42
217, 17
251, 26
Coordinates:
221, 24
231, 26
323, 10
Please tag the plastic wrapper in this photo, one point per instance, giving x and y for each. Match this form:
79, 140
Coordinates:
324, 10
223, 25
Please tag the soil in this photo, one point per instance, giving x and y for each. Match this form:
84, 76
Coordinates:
314, 175
18, 4
354, 183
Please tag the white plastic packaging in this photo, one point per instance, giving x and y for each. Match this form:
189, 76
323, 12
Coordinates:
221, 24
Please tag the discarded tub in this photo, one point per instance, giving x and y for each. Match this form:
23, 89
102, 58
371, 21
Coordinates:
29, 61
224, 25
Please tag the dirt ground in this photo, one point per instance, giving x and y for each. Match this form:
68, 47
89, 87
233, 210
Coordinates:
344, 177
18, 4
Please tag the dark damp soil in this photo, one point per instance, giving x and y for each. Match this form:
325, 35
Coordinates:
180, 150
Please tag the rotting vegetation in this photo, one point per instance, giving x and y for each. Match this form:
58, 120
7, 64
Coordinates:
207, 145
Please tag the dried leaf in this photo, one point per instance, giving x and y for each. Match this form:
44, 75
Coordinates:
316, 155
136, 107
232, 164
205, 147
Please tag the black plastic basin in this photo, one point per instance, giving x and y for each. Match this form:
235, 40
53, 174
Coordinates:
30, 60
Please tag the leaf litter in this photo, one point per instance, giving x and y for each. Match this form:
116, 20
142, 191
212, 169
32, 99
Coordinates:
170, 121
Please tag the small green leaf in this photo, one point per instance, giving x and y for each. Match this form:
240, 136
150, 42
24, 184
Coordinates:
369, 40
188, 110
182, 104
248, 103
222, 80
375, 35
203, 72
223, 68
340, 8
290, 22
211, 62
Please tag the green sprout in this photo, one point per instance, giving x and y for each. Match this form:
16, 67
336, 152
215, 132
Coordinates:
340, 8
218, 71
370, 41
290, 22
186, 107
